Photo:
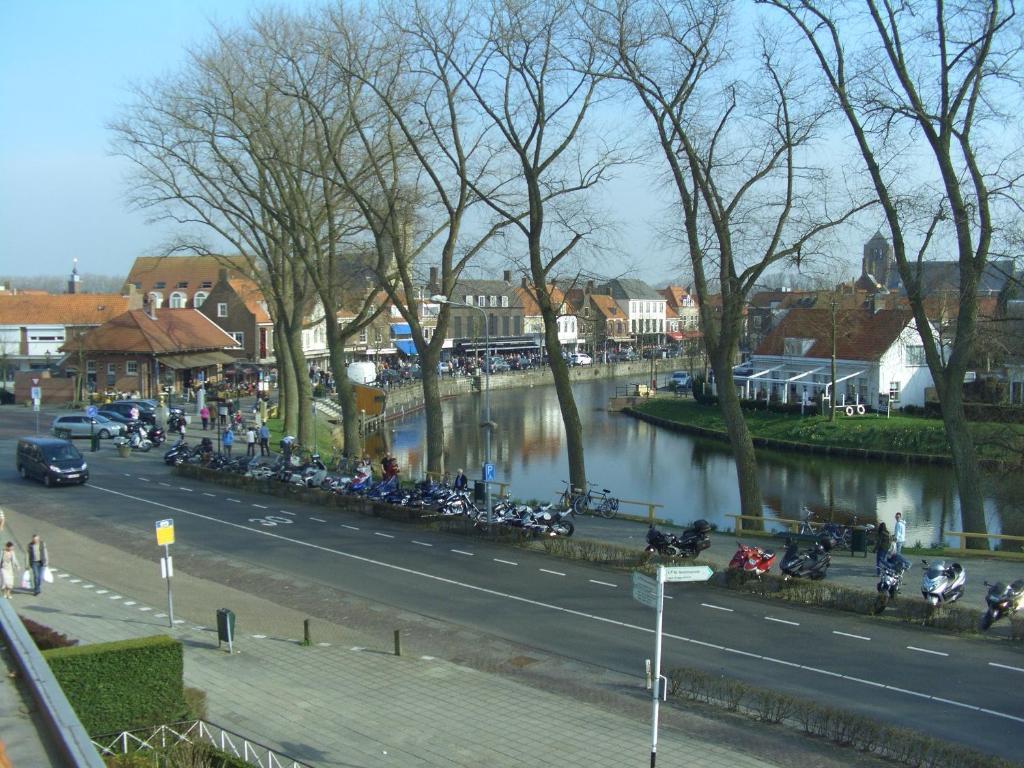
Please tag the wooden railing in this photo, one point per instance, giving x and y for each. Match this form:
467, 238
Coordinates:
650, 508
1001, 536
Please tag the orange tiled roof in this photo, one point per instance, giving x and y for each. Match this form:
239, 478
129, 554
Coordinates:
251, 296
860, 333
527, 297
147, 271
173, 330
606, 306
60, 308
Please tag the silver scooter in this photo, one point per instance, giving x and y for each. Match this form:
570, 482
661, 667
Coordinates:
942, 582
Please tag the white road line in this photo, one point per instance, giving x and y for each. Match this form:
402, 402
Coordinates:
145, 608
179, 621
159, 615
165, 485
350, 527
506, 562
925, 650
461, 552
183, 488
1005, 666
211, 495
129, 602
421, 543
235, 501
259, 637
553, 573
318, 520
88, 586
102, 591
602, 583
76, 581
115, 597
144, 479
260, 506
847, 634
511, 596
782, 621
716, 607
126, 474
385, 535
286, 512
62, 575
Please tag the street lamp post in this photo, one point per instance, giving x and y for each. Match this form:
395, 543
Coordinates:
487, 425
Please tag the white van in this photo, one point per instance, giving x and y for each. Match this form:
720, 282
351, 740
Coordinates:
362, 372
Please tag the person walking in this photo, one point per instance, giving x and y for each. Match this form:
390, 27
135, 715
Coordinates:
228, 440
3, 520
882, 543
222, 413
8, 569
899, 533
204, 414
37, 560
461, 481
264, 439
250, 442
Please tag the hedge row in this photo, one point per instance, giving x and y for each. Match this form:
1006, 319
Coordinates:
839, 726
183, 755
122, 685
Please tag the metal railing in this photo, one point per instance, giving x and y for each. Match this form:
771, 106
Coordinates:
194, 732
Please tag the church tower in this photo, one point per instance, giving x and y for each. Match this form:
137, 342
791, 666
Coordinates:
879, 262
74, 282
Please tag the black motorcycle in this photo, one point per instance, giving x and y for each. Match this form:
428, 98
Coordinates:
1002, 600
894, 567
156, 435
690, 543
812, 563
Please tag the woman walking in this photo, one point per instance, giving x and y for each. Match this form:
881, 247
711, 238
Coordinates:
8, 569
882, 543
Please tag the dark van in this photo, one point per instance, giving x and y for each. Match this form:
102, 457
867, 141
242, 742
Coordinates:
51, 460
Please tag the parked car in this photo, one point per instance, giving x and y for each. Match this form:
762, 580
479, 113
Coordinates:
51, 460
146, 409
80, 425
115, 416
680, 381
582, 358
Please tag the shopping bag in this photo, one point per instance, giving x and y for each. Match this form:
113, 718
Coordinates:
47, 575
26, 579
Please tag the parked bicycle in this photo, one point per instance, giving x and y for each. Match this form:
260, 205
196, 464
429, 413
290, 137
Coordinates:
841, 535
596, 502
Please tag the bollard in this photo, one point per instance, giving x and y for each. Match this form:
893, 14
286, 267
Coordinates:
398, 642
306, 640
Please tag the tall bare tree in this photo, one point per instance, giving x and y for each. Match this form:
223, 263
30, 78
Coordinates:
938, 82
736, 129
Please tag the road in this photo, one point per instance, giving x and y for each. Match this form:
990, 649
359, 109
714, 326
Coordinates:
958, 688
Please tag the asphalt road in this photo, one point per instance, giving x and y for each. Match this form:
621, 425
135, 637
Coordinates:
961, 689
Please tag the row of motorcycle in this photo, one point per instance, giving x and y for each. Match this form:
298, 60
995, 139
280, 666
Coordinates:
942, 583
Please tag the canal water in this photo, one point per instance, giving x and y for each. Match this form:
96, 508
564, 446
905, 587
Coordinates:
688, 476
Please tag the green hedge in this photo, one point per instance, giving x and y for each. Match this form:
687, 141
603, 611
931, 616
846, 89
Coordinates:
122, 685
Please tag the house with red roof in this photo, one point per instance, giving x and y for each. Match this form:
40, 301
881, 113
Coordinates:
237, 305
879, 357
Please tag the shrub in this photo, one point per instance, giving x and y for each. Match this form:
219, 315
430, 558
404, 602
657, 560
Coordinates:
46, 638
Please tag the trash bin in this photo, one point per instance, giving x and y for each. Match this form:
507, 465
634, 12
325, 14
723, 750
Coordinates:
479, 491
225, 627
124, 450
859, 541
94, 441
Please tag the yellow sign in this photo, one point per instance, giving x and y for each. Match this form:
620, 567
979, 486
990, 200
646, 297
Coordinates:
164, 532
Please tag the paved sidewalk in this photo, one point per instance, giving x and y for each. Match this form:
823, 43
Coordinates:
348, 701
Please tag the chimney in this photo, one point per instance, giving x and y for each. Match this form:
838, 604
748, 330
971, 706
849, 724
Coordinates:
147, 307
433, 278
590, 287
222, 275
74, 280
524, 283
508, 275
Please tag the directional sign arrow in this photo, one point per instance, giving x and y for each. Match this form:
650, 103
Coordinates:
686, 573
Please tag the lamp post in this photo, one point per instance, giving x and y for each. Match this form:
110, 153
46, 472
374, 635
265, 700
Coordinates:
487, 425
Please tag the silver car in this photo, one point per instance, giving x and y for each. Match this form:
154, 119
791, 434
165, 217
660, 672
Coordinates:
80, 425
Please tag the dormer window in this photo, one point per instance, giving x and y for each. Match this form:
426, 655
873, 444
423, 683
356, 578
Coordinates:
206, 284
795, 347
183, 284
504, 301
493, 301
160, 285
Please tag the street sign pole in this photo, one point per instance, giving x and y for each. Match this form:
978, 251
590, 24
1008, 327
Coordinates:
169, 569
656, 688
164, 538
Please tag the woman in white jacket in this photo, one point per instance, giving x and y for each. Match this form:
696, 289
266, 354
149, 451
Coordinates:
8, 569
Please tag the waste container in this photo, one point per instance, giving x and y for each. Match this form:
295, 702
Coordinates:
859, 541
225, 627
94, 441
124, 450
479, 491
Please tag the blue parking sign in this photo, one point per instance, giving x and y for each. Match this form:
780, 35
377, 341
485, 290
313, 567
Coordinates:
91, 411
488, 473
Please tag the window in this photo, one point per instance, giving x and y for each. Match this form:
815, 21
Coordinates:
362, 336
206, 284
222, 309
796, 347
239, 337
518, 325
915, 355
469, 300
131, 367
183, 284
493, 301
156, 299
199, 298
377, 337
160, 285
457, 327
481, 301
505, 325
492, 325
111, 369
504, 301
894, 391
177, 300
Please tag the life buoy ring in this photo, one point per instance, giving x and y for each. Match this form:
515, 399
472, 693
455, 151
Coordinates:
860, 410
849, 410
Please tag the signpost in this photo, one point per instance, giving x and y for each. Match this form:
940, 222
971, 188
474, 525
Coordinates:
37, 398
164, 538
651, 592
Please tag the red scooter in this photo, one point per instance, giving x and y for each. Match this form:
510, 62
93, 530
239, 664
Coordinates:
752, 560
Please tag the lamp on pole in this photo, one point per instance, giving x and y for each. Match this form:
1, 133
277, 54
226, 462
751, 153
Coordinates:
487, 425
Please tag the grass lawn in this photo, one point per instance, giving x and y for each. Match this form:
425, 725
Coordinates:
900, 434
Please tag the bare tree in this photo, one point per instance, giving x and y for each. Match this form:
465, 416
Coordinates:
938, 82
736, 134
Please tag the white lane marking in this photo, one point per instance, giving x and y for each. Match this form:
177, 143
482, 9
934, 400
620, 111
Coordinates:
324, 645
198, 629
716, 607
165, 485
781, 661
182, 488
602, 583
782, 621
318, 519
159, 615
102, 591
211, 495
422, 543
145, 608
126, 474
519, 598
88, 586
62, 575
115, 597
144, 479
385, 535
260, 506
1005, 666
553, 573
260, 637
76, 581
235, 501
925, 650
350, 527
506, 562
286, 512
847, 634
179, 621
462, 552
129, 602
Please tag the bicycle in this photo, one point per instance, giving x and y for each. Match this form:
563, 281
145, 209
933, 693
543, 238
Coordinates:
607, 506
568, 498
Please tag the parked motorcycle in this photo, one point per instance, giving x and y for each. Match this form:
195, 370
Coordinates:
1002, 601
812, 563
690, 543
547, 521
894, 566
136, 440
753, 560
943, 583
155, 434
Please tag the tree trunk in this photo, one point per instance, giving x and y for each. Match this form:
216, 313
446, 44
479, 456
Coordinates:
429, 359
566, 404
965, 466
739, 436
303, 389
286, 402
346, 396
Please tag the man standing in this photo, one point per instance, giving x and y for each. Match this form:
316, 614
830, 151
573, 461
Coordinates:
227, 441
899, 533
37, 561
264, 439
250, 442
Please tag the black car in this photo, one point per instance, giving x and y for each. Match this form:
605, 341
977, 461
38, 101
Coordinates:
116, 416
146, 409
51, 460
